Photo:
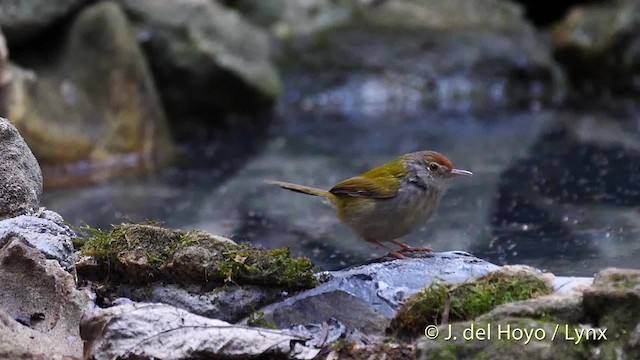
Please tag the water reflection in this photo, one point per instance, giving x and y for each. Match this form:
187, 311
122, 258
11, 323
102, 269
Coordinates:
554, 189
569, 202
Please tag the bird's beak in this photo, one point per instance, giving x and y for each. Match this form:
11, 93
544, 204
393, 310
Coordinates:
458, 172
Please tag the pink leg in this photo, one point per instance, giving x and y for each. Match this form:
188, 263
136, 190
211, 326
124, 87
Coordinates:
409, 248
392, 252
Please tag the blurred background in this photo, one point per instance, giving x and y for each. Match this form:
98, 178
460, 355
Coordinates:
176, 110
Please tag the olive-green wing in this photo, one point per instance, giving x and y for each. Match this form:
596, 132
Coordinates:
381, 182
367, 188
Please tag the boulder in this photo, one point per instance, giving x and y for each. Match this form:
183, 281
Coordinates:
5, 76
289, 19
599, 46
23, 19
220, 61
20, 175
93, 111
398, 58
40, 306
614, 300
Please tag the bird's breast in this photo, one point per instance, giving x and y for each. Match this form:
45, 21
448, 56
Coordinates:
388, 219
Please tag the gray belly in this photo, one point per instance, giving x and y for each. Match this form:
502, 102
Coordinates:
389, 219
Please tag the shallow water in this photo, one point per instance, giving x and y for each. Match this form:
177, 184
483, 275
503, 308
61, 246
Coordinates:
556, 189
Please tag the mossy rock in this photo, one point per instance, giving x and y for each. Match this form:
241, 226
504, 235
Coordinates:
466, 301
141, 253
508, 338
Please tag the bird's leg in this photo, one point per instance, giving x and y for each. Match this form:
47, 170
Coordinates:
392, 252
409, 248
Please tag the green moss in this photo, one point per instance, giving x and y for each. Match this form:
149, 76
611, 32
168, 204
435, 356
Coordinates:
339, 345
155, 243
140, 253
244, 263
257, 320
448, 352
624, 281
466, 300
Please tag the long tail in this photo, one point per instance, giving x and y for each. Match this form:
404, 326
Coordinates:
303, 189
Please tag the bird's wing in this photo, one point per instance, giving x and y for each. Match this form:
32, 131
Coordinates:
381, 188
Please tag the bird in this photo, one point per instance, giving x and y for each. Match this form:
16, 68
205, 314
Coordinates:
391, 200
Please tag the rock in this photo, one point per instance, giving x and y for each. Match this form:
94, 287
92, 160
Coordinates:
5, 76
566, 284
229, 303
601, 321
93, 112
366, 297
22, 19
288, 19
389, 350
358, 316
441, 302
20, 175
156, 331
509, 345
46, 232
141, 253
221, 61
614, 300
22, 342
565, 307
399, 58
598, 46
40, 306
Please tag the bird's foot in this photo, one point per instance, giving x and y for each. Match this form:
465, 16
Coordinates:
416, 249
396, 255
409, 248
392, 252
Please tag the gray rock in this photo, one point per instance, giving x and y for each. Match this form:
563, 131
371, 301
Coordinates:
385, 285
565, 307
5, 77
614, 300
599, 321
598, 45
157, 331
400, 57
356, 314
288, 19
40, 307
504, 347
229, 303
20, 175
220, 60
22, 19
564, 284
45, 232
366, 297
104, 117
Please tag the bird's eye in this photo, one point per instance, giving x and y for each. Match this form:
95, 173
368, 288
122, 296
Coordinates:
433, 167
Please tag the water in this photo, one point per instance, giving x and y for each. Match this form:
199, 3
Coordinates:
555, 189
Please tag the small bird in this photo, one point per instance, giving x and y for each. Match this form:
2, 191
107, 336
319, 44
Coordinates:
391, 200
